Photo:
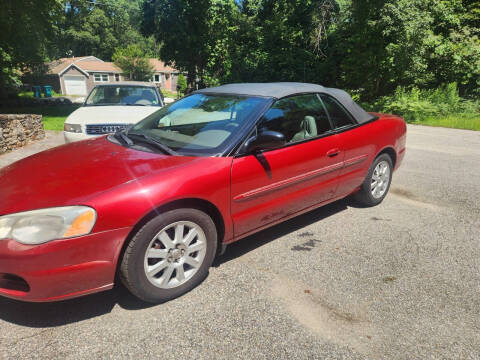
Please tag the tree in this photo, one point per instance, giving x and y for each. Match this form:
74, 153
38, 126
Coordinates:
9, 76
26, 27
91, 27
134, 63
249, 40
370, 47
411, 43
286, 38
194, 34
472, 15
181, 84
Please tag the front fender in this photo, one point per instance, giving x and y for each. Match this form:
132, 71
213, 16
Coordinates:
127, 204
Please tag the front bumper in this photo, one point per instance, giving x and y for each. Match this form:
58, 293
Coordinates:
71, 136
61, 269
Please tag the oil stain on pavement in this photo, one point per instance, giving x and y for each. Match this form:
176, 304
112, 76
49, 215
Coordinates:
345, 328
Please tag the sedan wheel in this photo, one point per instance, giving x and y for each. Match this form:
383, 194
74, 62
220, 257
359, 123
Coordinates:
380, 179
169, 255
376, 184
175, 254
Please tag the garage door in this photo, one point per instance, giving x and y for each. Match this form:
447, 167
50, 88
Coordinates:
75, 85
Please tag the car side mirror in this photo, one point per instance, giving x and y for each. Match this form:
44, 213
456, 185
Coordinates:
265, 140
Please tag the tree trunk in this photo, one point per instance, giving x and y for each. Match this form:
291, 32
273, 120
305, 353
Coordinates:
192, 74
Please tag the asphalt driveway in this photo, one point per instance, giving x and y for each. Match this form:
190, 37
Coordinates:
52, 139
397, 281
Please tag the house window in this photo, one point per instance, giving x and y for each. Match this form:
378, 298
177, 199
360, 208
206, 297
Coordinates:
157, 78
167, 76
117, 77
100, 77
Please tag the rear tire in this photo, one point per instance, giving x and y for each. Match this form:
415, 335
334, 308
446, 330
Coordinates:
377, 183
170, 255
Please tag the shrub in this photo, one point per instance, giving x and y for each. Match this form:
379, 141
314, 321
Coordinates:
417, 104
181, 84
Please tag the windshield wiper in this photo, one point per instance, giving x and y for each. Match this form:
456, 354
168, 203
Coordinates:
152, 141
122, 136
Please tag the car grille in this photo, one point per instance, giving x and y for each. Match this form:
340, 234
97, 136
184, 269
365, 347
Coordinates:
99, 129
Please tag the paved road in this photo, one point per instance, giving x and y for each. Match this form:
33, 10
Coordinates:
398, 281
52, 138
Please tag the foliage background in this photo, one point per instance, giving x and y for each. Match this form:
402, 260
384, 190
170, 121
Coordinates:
370, 47
384, 52
133, 62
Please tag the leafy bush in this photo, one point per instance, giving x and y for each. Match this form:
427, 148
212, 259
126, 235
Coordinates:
415, 105
181, 84
9, 77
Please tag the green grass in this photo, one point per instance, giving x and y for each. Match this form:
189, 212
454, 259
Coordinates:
53, 116
169, 94
461, 121
29, 94
25, 94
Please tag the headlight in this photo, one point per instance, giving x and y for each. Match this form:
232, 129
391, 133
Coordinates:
76, 128
40, 226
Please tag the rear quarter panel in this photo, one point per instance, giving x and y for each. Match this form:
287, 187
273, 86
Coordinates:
363, 144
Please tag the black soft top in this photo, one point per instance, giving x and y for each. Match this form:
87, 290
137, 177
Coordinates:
279, 90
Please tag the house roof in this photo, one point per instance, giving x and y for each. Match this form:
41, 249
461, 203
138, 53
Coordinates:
97, 66
160, 66
55, 67
81, 58
92, 64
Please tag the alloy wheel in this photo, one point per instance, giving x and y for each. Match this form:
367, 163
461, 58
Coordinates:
175, 254
380, 179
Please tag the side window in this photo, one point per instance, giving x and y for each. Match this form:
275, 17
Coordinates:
338, 115
297, 117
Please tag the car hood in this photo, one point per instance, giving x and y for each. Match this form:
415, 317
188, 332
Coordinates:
72, 174
110, 114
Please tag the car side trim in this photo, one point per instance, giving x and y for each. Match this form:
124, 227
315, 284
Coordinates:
288, 182
355, 160
298, 179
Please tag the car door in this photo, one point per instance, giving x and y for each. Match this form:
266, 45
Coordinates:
270, 185
356, 145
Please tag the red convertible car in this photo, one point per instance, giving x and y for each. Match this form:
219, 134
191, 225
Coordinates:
157, 202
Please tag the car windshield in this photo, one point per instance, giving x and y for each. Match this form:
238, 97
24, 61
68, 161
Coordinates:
122, 95
200, 124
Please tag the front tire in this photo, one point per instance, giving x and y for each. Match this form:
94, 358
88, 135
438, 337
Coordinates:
170, 255
377, 183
